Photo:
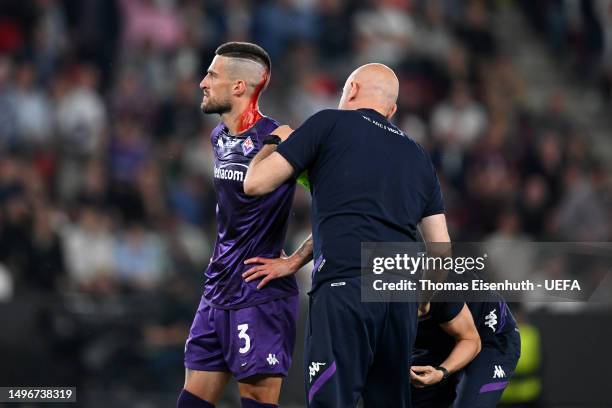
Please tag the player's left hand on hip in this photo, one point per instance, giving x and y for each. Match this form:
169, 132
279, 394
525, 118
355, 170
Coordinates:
269, 269
424, 376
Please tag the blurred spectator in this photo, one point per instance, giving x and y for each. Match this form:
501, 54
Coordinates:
555, 115
534, 205
385, 32
457, 65
150, 22
547, 161
509, 251
8, 114
277, 24
186, 199
140, 258
81, 112
131, 97
460, 119
46, 270
94, 188
581, 215
180, 116
89, 251
332, 42
50, 38
32, 109
188, 245
128, 152
455, 125
475, 30
434, 38
316, 92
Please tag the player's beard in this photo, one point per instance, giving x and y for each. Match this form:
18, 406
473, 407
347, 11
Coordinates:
215, 106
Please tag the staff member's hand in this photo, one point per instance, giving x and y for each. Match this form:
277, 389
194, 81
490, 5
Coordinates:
270, 269
424, 376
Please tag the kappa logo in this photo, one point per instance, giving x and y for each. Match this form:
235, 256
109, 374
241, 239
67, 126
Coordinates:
498, 372
272, 360
491, 320
248, 146
313, 369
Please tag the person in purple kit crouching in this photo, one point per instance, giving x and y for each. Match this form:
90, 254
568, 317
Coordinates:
241, 330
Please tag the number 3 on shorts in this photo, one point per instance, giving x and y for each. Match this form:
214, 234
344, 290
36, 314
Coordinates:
242, 328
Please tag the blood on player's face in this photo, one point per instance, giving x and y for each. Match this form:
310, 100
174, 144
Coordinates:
216, 87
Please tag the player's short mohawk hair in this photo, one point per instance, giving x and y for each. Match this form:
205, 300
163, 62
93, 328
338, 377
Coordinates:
245, 50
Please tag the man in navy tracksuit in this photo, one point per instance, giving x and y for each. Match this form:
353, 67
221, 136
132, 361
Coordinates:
369, 183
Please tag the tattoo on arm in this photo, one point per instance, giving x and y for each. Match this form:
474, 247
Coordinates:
303, 255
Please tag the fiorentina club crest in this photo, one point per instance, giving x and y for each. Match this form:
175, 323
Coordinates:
247, 146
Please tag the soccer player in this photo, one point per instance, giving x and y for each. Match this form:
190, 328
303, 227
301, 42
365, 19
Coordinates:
369, 183
239, 330
435, 374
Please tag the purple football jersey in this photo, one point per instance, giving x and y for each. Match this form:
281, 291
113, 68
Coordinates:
246, 226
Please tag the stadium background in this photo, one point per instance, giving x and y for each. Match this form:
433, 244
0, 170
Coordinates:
106, 201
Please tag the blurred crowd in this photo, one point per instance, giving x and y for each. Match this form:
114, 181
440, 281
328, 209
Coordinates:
105, 159
580, 35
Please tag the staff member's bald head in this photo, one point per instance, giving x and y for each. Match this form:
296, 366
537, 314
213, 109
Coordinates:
239, 70
373, 86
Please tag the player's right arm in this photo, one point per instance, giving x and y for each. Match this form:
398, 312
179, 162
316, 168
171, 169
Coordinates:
467, 346
276, 268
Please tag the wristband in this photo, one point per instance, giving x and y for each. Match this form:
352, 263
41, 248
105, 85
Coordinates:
273, 140
445, 373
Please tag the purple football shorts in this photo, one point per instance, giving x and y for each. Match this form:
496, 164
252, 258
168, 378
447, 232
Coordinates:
256, 340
